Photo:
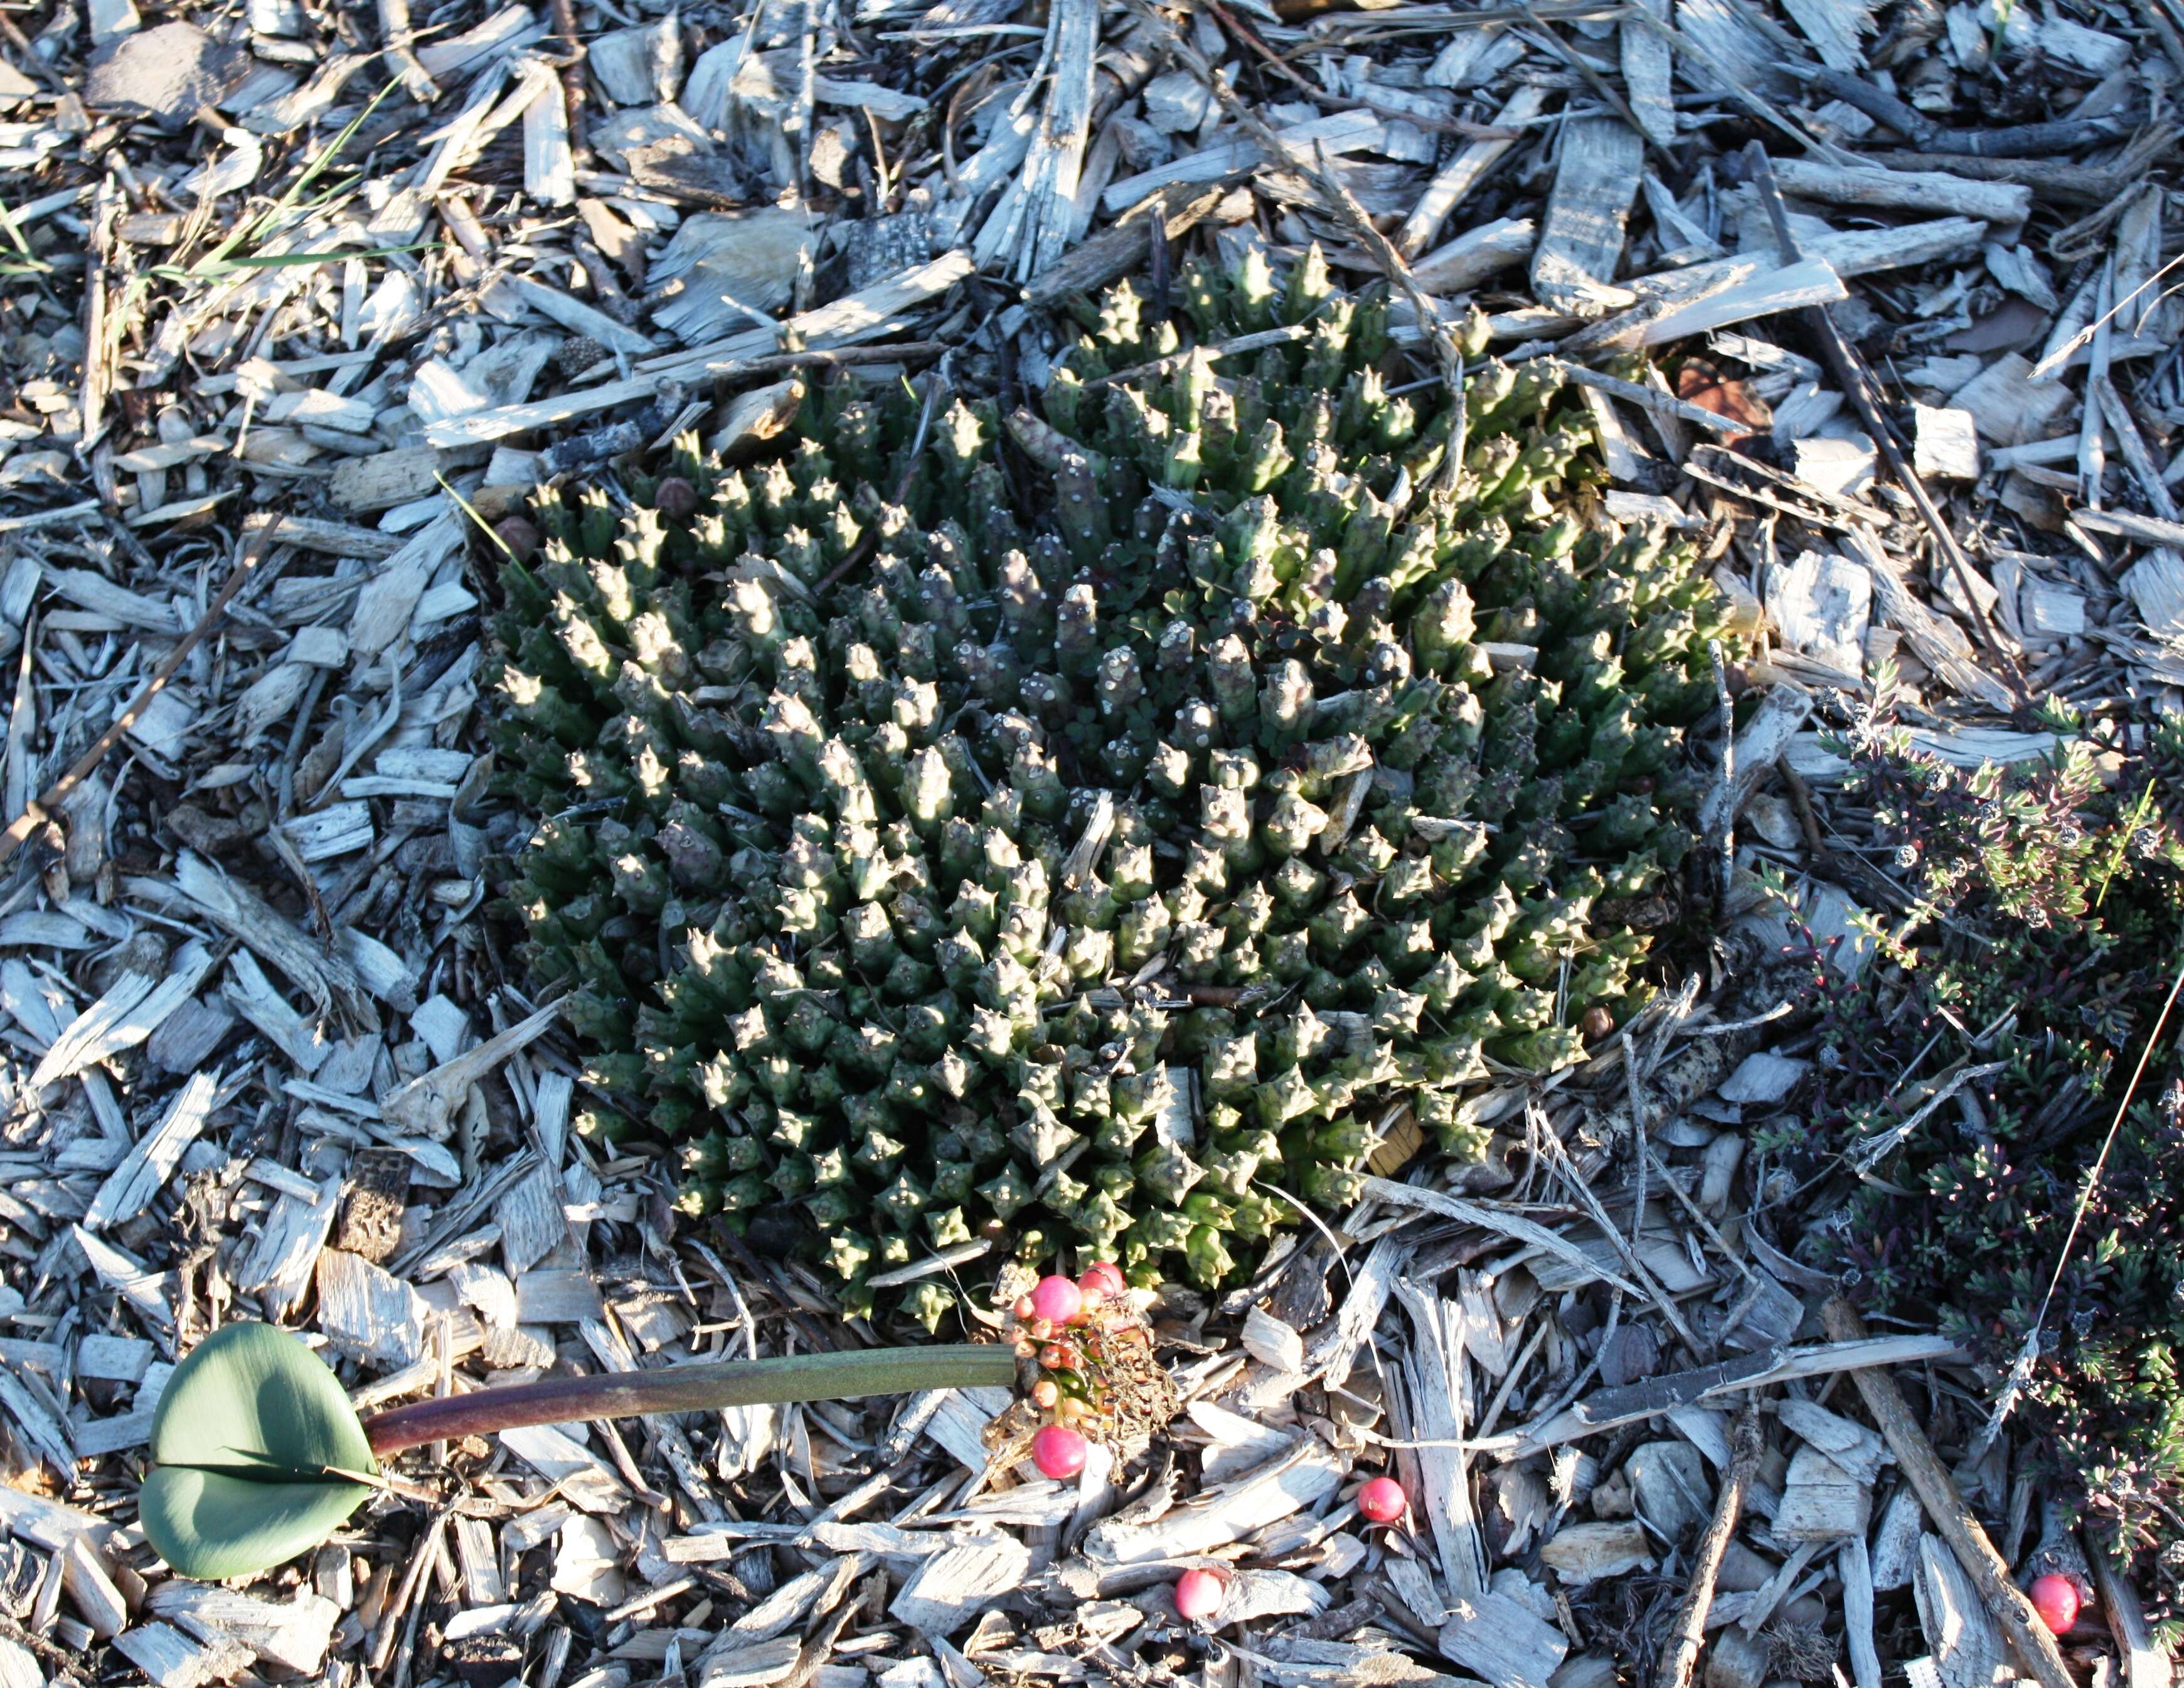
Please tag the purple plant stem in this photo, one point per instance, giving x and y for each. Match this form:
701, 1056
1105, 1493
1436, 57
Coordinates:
841, 1376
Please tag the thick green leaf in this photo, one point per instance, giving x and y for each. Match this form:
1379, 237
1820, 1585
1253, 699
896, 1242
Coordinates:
212, 1526
250, 1431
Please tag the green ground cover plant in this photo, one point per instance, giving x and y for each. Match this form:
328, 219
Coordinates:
2044, 944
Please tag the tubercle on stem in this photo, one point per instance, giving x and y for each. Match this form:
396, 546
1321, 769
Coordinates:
838, 1376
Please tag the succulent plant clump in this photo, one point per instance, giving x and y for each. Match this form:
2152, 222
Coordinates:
1094, 828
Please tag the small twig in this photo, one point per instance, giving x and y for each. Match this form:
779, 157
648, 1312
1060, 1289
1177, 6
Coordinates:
1616, 1240
1808, 819
881, 189
59, 1659
293, 860
1764, 110
27, 56
1638, 1131
395, 43
1857, 384
392, 1620
39, 812
1725, 845
1785, 1585
1342, 1620
1878, 104
1726, 1028
1707, 1227
819, 1648
1339, 200
1687, 1630
1867, 881
1417, 120
1492, 1416
2143, 469
572, 76
1599, 84
1864, 1157
97, 353
383, 1479
1255, 341
1945, 1505
2092, 442
1243, 32
1644, 397
782, 363
1445, 22
2077, 343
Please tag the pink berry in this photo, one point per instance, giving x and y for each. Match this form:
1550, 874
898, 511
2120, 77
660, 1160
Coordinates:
2055, 1598
1383, 1500
1058, 1452
1104, 1276
1199, 1594
1056, 1299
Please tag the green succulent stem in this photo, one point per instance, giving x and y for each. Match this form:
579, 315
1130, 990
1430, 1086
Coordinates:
842, 1376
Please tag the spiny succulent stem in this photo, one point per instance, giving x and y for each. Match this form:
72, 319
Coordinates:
693, 1388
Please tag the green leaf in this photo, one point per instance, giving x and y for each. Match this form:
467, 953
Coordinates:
252, 1435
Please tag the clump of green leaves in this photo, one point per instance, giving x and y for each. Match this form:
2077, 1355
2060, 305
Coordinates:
2047, 931
1093, 828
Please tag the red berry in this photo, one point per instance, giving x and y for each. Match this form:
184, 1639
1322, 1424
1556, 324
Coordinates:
1104, 1276
1058, 1452
1199, 1594
1383, 1500
1056, 1299
2055, 1598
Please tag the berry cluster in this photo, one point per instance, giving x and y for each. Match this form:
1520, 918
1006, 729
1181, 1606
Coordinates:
1091, 1348
1093, 1361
